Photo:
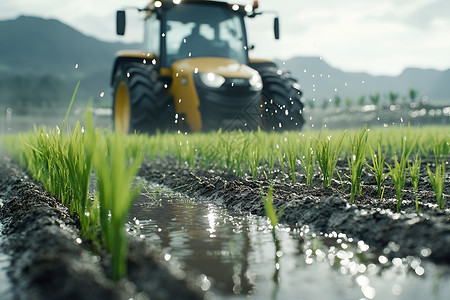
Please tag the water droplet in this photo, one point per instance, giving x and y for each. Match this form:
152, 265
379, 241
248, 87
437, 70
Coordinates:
368, 291
362, 280
382, 259
397, 261
425, 252
397, 289
76, 66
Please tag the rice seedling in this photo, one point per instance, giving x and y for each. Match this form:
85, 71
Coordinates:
440, 150
356, 161
254, 159
437, 180
115, 167
378, 167
307, 160
280, 156
398, 171
327, 154
244, 143
291, 158
270, 159
414, 173
270, 210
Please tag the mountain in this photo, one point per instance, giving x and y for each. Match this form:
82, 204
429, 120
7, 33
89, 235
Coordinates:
321, 81
38, 54
38, 59
32, 44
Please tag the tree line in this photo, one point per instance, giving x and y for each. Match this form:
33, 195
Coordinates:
374, 99
34, 91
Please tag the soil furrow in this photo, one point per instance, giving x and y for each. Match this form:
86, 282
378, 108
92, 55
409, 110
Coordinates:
323, 209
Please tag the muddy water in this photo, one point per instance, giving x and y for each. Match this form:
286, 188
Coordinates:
242, 257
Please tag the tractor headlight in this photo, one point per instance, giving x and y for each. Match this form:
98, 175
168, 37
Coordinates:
256, 82
212, 80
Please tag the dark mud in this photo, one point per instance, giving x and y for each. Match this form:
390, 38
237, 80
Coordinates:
48, 260
326, 209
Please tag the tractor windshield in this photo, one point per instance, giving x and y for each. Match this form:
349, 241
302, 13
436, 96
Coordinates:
199, 30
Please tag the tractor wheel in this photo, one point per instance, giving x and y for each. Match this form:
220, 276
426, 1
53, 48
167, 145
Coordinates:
141, 104
283, 107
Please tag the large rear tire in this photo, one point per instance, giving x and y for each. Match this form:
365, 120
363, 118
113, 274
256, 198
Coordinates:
141, 103
283, 106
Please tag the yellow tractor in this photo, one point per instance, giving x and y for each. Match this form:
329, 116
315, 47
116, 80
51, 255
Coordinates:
194, 73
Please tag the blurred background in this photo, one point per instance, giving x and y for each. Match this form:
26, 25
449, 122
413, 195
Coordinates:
357, 62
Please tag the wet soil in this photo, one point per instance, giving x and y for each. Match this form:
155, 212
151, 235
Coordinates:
49, 261
326, 210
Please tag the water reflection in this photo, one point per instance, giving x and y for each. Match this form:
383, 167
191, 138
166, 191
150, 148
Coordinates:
215, 243
242, 256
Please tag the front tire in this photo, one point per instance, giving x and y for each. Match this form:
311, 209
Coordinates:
141, 103
283, 106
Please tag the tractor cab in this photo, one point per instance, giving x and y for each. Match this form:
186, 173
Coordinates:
196, 29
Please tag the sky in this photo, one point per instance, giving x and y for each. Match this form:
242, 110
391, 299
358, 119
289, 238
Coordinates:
380, 37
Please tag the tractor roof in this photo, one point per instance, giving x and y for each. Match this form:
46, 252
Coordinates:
234, 5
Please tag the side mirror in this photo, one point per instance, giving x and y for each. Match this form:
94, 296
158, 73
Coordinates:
120, 22
276, 28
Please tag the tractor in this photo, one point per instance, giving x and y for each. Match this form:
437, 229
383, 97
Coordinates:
194, 73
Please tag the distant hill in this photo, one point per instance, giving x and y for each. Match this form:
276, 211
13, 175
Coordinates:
32, 48
321, 81
38, 58
35, 45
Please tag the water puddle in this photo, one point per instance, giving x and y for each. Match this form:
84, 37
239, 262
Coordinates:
241, 257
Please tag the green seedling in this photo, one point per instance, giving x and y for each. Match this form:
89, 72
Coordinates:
327, 154
356, 161
271, 212
115, 173
398, 171
378, 167
307, 161
437, 180
291, 158
414, 172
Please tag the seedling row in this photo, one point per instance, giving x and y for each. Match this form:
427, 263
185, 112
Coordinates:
65, 159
